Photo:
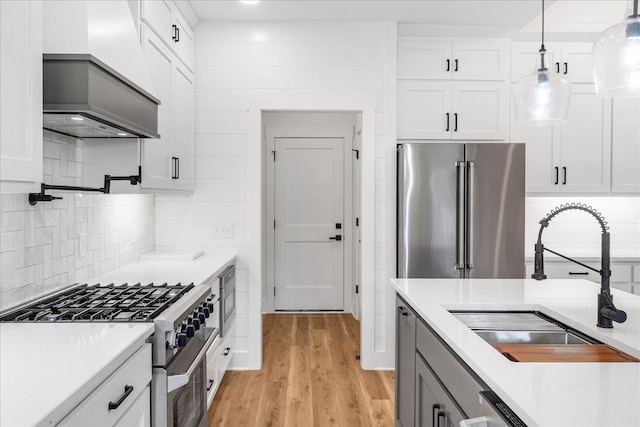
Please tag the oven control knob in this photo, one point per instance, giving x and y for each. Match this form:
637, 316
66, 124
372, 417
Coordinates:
206, 311
183, 328
210, 307
181, 340
196, 324
191, 331
202, 317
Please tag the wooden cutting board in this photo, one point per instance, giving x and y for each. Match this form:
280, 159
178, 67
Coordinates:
563, 353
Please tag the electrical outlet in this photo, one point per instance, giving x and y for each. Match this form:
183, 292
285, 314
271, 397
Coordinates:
221, 231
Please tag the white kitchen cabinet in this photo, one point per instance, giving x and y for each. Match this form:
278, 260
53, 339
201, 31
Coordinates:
625, 146
213, 382
118, 397
167, 162
460, 110
164, 18
225, 352
420, 58
572, 60
574, 157
21, 100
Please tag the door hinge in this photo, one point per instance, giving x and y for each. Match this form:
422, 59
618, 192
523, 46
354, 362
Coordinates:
274, 155
357, 289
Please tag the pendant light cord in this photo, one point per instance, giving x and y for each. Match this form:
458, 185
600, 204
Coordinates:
542, 50
635, 8
543, 21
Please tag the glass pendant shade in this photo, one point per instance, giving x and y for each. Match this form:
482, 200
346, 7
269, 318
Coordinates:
616, 59
542, 98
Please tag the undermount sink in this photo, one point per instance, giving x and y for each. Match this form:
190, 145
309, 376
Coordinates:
521, 327
530, 336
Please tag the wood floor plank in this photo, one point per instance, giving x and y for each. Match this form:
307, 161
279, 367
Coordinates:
310, 377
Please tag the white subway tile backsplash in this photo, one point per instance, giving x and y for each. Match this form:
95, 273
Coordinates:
38, 244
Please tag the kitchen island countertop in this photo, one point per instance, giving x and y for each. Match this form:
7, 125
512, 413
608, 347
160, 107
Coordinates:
542, 394
47, 369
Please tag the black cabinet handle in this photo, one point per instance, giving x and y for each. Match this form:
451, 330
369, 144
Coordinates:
558, 67
127, 391
174, 166
226, 351
448, 65
337, 237
178, 35
455, 68
403, 311
442, 415
455, 122
566, 68
447, 129
557, 171
564, 175
211, 382
177, 167
174, 32
434, 409
578, 273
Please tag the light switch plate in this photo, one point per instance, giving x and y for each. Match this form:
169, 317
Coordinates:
221, 231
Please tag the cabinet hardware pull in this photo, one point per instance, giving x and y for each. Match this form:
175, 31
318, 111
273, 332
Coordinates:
403, 311
448, 65
177, 35
226, 351
174, 165
127, 391
558, 67
557, 172
442, 415
566, 67
578, 273
211, 382
435, 407
455, 122
337, 237
174, 30
564, 175
447, 129
177, 167
456, 65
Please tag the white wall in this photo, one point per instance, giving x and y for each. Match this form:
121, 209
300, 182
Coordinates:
39, 245
245, 68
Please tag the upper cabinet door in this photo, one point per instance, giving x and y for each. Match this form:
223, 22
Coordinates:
480, 110
525, 58
625, 146
577, 63
586, 142
424, 108
21, 100
481, 60
157, 14
424, 59
182, 128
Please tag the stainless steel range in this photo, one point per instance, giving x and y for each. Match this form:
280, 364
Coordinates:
186, 323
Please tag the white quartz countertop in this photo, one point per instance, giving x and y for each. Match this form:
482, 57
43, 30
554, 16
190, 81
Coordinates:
542, 394
161, 267
47, 369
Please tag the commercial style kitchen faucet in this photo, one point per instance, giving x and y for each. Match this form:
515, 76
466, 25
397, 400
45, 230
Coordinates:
607, 311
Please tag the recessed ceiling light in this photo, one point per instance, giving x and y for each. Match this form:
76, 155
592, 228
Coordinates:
250, 1
122, 134
79, 119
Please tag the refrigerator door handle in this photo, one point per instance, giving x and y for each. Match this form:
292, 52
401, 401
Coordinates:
460, 220
470, 212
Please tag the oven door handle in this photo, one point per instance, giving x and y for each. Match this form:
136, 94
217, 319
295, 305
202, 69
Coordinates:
175, 382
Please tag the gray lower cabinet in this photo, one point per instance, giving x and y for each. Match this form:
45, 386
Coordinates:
405, 363
434, 387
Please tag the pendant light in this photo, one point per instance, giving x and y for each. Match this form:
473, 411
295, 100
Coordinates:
616, 57
542, 97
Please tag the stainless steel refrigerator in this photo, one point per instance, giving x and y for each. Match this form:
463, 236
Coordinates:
460, 210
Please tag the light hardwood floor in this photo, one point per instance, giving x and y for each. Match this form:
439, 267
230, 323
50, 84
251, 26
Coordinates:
310, 377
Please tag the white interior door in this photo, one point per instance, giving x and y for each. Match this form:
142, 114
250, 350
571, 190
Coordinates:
309, 174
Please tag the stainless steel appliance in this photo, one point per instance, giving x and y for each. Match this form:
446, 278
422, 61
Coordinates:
493, 413
460, 210
179, 343
227, 299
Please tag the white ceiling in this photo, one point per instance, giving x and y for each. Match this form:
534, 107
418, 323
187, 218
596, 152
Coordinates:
511, 15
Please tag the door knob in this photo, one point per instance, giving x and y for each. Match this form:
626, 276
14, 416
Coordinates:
337, 237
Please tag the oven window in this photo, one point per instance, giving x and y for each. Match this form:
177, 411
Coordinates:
189, 403
229, 303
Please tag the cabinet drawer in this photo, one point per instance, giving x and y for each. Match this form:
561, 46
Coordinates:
461, 384
139, 414
225, 352
94, 410
567, 270
212, 371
